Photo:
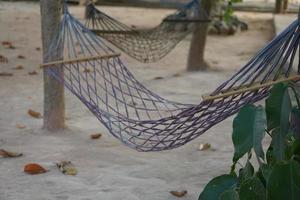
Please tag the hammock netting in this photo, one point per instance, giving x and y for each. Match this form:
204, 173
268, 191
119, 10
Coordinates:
147, 45
138, 117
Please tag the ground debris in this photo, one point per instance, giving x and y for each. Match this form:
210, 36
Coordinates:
20, 126
8, 45
33, 168
158, 78
179, 193
33, 72
67, 168
9, 154
21, 57
3, 59
6, 74
204, 147
96, 136
19, 67
34, 114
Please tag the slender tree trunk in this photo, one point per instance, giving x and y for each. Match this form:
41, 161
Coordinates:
279, 6
196, 59
54, 104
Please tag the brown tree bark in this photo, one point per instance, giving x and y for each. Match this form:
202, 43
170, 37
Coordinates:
279, 6
196, 59
54, 103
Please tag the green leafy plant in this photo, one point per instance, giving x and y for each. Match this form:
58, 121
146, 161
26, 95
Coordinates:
228, 12
277, 172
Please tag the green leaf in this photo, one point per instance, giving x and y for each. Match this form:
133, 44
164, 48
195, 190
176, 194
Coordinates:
229, 195
284, 181
217, 186
246, 172
278, 106
266, 171
252, 189
249, 131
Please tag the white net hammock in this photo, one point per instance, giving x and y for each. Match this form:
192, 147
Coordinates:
147, 45
142, 119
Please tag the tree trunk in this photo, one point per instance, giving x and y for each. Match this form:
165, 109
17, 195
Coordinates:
197, 48
279, 6
54, 104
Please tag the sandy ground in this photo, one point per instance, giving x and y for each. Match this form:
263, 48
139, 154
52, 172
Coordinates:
107, 169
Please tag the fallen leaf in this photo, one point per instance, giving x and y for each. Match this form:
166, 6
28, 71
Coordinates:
34, 168
96, 136
8, 45
21, 57
203, 147
5, 43
177, 75
20, 126
179, 193
19, 67
3, 59
86, 70
34, 114
6, 74
8, 154
67, 167
158, 78
33, 73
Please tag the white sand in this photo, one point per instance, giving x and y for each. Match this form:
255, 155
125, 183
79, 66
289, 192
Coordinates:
107, 169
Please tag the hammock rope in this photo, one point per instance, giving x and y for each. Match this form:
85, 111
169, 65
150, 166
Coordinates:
138, 117
147, 45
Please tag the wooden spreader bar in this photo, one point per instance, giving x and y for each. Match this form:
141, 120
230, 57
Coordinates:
253, 87
103, 57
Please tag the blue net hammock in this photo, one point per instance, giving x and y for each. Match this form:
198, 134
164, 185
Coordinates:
138, 117
147, 45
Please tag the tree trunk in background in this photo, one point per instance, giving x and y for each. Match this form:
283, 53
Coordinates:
279, 6
196, 54
54, 104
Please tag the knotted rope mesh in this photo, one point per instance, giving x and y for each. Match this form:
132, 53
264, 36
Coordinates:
148, 45
142, 119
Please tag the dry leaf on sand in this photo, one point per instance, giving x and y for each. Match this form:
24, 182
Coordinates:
19, 67
67, 168
20, 126
204, 147
33, 73
158, 78
179, 193
8, 45
34, 168
9, 154
3, 59
96, 136
34, 114
21, 57
6, 74
86, 70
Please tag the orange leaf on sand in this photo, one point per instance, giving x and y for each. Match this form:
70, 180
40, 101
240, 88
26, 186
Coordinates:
96, 136
34, 114
204, 147
8, 45
34, 168
179, 193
